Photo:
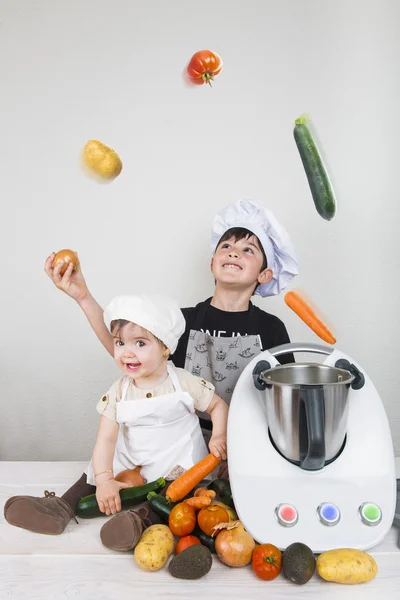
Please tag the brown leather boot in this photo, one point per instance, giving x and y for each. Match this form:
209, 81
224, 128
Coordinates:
48, 515
124, 530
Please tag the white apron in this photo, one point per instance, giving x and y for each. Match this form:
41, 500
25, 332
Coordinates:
157, 433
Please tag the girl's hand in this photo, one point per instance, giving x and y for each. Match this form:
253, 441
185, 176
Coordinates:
217, 446
72, 282
107, 495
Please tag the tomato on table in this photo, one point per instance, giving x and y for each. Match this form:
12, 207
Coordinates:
186, 542
182, 519
203, 67
211, 515
267, 561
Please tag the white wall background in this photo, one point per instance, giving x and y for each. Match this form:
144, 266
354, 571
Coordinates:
73, 70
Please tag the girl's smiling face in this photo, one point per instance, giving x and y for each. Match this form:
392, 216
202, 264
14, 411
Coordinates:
138, 353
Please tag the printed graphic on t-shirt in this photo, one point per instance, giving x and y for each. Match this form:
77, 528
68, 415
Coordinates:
201, 348
196, 370
219, 357
234, 334
246, 353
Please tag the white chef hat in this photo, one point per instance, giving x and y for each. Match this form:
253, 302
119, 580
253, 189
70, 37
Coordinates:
276, 243
158, 314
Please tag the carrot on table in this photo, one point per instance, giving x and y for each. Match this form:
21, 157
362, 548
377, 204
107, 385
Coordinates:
306, 314
184, 484
198, 502
202, 491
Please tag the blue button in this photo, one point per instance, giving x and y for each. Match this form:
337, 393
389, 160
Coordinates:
328, 513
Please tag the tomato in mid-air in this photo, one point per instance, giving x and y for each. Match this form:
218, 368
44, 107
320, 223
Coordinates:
203, 67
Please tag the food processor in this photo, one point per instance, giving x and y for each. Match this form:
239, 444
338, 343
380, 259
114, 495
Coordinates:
310, 452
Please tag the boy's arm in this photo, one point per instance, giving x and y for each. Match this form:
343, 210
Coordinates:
74, 285
218, 410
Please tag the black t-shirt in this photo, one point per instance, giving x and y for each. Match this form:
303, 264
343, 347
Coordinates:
220, 323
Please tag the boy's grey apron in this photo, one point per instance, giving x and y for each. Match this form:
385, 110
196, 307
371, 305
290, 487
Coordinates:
220, 360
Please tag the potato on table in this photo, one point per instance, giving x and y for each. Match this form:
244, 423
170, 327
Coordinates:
154, 548
346, 565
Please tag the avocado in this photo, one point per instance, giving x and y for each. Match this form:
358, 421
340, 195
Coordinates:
298, 563
222, 488
192, 563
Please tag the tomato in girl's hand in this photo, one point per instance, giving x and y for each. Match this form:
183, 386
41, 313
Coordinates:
182, 519
203, 67
186, 542
210, 516
266, 561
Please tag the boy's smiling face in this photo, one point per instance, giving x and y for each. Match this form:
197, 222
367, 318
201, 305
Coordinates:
240, 262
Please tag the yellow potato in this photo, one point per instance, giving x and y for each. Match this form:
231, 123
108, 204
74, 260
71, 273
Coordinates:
154, 548
161, 534
101, 160
346, 565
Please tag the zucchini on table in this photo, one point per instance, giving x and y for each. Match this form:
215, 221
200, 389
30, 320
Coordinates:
318, 180
87, 507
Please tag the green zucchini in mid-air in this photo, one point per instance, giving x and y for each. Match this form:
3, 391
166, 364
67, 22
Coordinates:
318, 180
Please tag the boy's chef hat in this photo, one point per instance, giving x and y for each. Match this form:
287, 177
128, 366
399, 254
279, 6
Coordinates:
158, 314
276, 243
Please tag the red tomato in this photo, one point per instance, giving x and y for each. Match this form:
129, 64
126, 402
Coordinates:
186, 542
204, 66
212, 515
182, 519
266, 561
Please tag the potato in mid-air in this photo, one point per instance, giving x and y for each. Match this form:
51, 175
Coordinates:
101, 160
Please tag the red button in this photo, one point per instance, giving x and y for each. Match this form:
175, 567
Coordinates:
286, 514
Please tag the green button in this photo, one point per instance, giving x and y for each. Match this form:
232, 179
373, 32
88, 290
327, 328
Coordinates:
371, 514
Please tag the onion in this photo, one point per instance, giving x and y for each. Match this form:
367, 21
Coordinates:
67, 256
234, 546
131, 476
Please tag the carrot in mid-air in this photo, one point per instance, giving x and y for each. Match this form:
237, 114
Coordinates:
306, 314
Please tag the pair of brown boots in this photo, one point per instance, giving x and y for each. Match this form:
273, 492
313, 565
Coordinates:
51, 514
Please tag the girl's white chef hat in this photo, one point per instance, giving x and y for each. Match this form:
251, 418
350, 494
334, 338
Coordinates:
276, 243
158, 314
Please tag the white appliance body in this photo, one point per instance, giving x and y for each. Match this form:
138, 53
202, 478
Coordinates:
261, 479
